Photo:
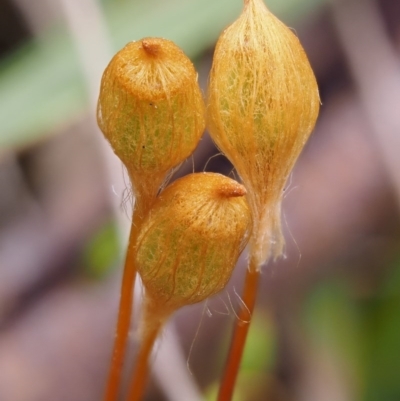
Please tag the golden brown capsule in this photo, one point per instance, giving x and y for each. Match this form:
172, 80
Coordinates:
263, 102
192, 238
150, 107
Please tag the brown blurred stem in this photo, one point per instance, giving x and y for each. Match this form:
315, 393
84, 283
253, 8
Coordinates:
240, 333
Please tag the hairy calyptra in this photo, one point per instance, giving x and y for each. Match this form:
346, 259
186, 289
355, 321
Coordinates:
263, 102
179, 246
151, 110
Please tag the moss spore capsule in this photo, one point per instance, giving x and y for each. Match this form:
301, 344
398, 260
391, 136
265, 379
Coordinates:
263, 102
192, 238
150, 106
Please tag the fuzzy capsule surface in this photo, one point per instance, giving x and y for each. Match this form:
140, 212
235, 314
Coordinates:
150, 106
262, 105
190, 242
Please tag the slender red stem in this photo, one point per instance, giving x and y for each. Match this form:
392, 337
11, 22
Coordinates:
146, 194
240, 334
139, 379
124, 316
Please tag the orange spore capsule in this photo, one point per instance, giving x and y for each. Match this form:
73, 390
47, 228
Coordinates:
151, 109
179, 247
263, 102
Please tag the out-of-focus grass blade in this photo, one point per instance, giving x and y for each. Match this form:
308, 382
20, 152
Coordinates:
362, 333
39, 89
42, 86
383, 317
335, 327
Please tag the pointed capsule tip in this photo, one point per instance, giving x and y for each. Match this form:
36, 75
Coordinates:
150, 47
232, 190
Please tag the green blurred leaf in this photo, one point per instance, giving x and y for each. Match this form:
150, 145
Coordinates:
42, 86
383, 317
362, 333
335, 326
101, 253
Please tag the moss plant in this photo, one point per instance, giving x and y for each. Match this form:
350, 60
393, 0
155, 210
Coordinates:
262, 105
151, 111
179, 251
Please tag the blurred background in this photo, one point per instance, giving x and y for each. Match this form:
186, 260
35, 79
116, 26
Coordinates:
327, 326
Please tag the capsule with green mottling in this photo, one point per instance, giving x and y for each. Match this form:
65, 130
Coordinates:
150, 106
192, 238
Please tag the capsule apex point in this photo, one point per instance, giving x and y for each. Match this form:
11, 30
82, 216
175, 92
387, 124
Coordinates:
150, 47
